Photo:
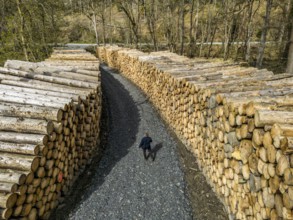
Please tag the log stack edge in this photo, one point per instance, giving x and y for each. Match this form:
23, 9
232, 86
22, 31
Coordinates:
237, 121
49, 130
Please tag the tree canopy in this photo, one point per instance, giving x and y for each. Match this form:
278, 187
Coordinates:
255, 31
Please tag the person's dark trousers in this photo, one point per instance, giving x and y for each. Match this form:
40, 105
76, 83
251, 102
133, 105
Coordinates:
150, 153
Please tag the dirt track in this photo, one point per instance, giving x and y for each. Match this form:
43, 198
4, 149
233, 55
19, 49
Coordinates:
122, 185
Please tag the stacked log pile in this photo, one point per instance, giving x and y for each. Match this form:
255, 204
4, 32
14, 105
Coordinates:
49, 130
237, 121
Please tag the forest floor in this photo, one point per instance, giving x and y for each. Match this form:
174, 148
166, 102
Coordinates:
121, 184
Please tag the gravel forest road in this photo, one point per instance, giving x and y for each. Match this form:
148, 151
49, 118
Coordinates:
122, 184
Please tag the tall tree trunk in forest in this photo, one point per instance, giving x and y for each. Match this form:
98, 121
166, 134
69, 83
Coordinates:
2, 22
213, 34
104, 27
21, 30
226, 30
134, 21
54, 25
288, 44
284, 25
191, 37
196, 27
94, 21
151, 17
203, 27
290, 54
248, 31
110, 21
170, 27
262, 45
182, 27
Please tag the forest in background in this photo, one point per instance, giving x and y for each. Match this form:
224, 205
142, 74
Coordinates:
254, 31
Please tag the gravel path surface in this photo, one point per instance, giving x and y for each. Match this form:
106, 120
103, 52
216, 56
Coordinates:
124, 185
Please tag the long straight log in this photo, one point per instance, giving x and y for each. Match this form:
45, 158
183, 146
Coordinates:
27, 149
30, 111
57, 80
265, 117
65, 65
19, 162
19, 64
40, 92
88, 72
266, 92
8, 77
29, 101
8, 187
12, 176
77, 76
70, 51
282, 100
40, 97
24, 138
72, 57
37, 84
54, 71
69, 82
36, 126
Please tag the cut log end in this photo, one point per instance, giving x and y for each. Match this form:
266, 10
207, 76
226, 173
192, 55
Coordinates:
6, 213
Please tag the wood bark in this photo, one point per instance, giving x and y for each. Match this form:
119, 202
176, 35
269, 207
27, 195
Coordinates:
290, 54
30, 111
235, 120
36, 126
48, 132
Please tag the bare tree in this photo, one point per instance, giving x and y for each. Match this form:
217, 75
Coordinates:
152, 17
21, 29
249, 28
191, 27
290, 57
263, 38
132, 10
290, 45
182, 26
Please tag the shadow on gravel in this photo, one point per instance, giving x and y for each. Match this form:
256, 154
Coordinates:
155, 150
119, 126
157, 147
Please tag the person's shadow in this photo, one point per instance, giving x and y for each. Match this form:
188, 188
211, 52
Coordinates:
155, 150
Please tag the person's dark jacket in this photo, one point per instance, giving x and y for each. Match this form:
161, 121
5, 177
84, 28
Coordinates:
145, 143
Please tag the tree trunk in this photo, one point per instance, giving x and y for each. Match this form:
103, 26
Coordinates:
27, 149
110, 21
263, 38
104, 27
191, 37
37, 139
12, 176
21, 31
284, 25
28, 111
182, 27
48, 78
290, 54
35, 126
94, 21
19, 162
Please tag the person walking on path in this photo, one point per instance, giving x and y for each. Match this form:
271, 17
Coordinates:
145, 144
